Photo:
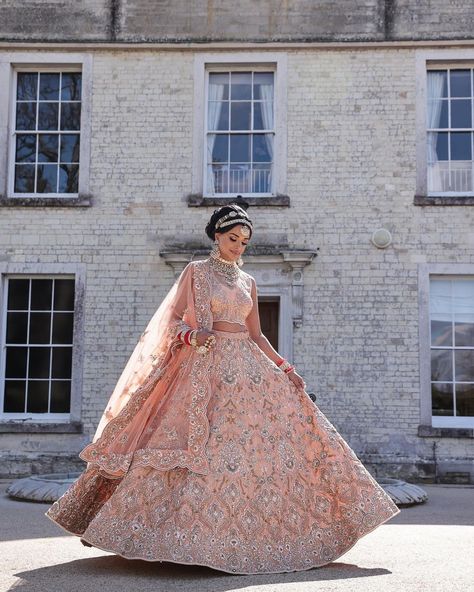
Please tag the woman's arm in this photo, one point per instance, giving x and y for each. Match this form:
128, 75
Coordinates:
255, 332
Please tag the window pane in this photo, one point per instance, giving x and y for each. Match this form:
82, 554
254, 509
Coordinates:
70, 116
461, 113
262, 178
27, 84
39, 362
14, 401
437, 114
441, 145
461, 146
70, 144
26, 116
463, 297
60, 396
24, 178
464, 331
263, 86
63, 327
48, 116
218, 148
41, 294
441, 330
442, 399
262, 147
464, 364
241, 88
240, 115
16, 362
263, 116
17, 324
25, 148
47, 178
218, 115
62, 362
441, 364
49, 86
218, 179
40, 327
37, 396
18, 294
48, 147
71, 86
218, 86
240, 178
465, 400
463, 309
460, 81
64, 294
68, 178
240, 148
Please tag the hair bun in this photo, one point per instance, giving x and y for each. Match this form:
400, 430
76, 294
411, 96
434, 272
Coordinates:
240, 201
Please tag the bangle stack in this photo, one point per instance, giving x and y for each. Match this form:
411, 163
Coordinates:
285, 366
185, 335
189, 337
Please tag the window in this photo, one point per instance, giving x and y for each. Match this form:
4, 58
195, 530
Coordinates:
451, 310
239, 142
46, 132
37, 352
45, 143
240, 132
450, 130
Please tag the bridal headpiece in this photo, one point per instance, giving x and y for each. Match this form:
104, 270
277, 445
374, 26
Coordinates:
235, 218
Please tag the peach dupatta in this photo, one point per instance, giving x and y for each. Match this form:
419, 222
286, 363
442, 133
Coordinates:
156, 415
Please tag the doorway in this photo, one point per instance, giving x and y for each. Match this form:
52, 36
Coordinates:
269, 312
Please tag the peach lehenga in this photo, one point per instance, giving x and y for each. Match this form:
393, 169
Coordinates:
217, 459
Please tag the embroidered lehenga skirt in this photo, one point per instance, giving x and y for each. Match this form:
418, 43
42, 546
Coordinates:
284, 491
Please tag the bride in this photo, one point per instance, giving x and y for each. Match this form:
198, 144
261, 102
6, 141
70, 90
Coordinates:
210, 451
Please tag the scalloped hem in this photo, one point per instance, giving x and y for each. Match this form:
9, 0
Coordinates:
221, 569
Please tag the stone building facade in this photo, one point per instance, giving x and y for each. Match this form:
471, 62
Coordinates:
348, 127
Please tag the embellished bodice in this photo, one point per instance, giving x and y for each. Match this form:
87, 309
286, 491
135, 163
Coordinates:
231, 303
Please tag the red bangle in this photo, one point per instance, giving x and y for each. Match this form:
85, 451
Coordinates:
280, 362
186, 337
289, 369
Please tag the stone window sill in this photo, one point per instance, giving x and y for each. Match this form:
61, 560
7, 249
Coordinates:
41, 202
15, 427
426, 431
446, 200
196, 200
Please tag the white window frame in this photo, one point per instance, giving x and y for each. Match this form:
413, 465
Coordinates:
424, 61
425, 271
10, 64
224, 62
45, 271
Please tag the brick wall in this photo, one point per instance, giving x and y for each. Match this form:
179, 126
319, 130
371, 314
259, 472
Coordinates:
351, 169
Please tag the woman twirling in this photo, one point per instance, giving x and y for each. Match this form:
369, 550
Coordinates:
210, 451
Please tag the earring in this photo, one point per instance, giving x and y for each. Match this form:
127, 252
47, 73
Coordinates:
240, 262
215, 252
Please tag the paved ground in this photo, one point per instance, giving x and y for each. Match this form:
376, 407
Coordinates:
429, 547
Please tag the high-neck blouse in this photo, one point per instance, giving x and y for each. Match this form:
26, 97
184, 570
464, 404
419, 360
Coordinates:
231, 303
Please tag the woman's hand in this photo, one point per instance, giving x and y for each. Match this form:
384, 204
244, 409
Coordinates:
296, 379
202, 335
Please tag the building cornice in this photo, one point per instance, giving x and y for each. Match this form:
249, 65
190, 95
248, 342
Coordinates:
234, 45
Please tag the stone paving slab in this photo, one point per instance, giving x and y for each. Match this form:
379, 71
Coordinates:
428, 547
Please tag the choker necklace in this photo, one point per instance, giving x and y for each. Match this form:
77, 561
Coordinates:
229, 269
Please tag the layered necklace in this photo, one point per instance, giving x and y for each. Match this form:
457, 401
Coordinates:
228, 269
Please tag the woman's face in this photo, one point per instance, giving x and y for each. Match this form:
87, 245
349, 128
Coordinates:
232, 243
